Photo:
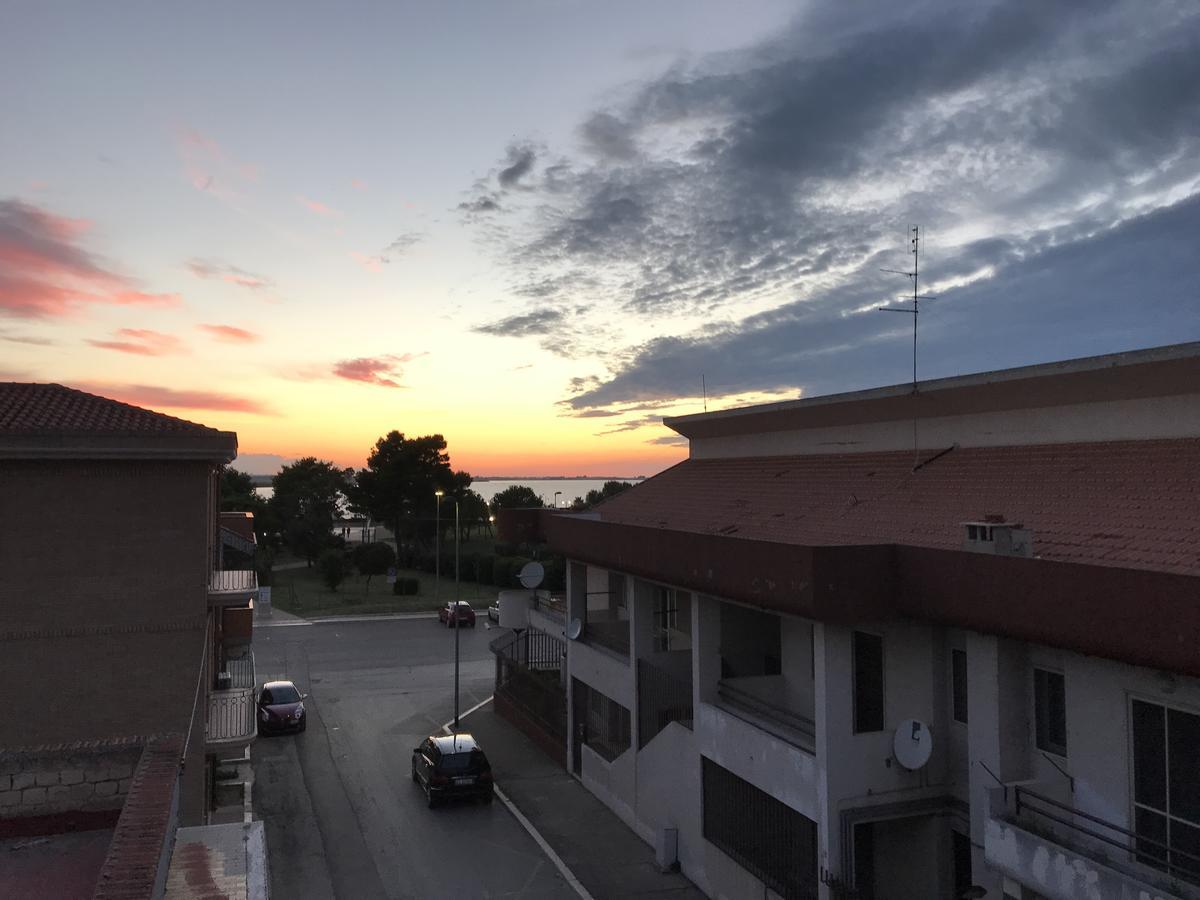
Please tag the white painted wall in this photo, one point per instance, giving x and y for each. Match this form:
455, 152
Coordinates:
1126, 420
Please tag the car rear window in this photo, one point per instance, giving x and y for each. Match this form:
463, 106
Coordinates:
462, 762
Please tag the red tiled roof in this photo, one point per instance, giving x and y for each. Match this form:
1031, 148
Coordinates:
1132, 504
33, 409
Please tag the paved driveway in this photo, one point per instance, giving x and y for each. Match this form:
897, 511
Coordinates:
343, 818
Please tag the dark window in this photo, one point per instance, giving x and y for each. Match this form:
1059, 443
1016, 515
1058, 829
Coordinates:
767, 838
958, 665
1166, 788
868, 682
1050, 707
962, 862
864, 861
666, 617
606, 722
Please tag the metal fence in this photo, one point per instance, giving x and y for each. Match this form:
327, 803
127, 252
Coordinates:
1054, 817
529, 675
662, 699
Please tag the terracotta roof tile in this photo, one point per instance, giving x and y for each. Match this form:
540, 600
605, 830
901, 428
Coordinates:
34, 409
1133, 504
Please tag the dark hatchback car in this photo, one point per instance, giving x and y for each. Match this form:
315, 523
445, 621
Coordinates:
453, 617
448, 766
280, 708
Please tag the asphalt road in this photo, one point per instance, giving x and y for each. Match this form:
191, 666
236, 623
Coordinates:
343, 817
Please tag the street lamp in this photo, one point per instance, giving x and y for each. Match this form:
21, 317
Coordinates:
437, 548
556, 493
457, 624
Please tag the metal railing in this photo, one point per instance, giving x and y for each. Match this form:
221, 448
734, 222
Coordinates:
1141, 849
529, 675
607, 630
662, 699
531, 649
783, 723
230, 717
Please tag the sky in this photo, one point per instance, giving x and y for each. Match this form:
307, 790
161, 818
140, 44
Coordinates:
538, 226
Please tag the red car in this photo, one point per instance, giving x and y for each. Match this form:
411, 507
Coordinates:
452, 618
280, 708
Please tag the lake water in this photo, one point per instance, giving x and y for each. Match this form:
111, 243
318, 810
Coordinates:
568, 488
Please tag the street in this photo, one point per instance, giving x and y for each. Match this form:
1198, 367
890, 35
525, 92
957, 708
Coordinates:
343, 818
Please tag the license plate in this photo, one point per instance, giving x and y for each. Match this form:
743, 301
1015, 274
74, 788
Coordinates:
464, 780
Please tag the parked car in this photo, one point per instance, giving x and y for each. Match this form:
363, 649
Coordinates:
452, 618
448, 766
494, 612
281, 708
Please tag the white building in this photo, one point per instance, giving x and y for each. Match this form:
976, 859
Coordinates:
764, 624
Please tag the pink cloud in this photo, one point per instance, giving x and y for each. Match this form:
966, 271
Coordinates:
228, 334
319, 208
208, 167
358, 184
384, 371
156, 397
142, 342
45, 271
205, 269
370, 263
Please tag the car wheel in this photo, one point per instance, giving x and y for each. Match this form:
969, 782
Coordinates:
303, 724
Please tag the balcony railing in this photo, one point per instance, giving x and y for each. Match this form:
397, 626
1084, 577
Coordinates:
1075, 827
607, 629
241, 670
662, 699
230, 719
232, 583
756, 699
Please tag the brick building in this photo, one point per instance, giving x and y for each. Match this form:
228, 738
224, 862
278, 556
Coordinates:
888, 644
119, 618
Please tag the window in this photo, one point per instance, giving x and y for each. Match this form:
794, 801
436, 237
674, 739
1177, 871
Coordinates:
666, 617
1166, 788
767, 838
606, 723
868, 682
1050, 709
958, 666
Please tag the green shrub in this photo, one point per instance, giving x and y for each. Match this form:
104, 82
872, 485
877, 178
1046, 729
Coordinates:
406, 587
505, 549
332, 564
485, 569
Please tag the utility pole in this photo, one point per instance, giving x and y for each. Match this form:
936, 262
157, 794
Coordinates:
457, 623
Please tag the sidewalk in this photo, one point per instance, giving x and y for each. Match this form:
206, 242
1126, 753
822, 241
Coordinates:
609, 860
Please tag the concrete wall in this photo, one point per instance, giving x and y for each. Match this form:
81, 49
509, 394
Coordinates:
104, 610
1158, 417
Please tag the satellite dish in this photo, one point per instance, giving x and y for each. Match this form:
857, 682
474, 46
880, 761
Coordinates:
532, 574
912, 744
575, 629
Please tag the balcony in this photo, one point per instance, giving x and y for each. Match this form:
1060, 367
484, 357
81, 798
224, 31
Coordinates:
231, 724
770, 703
664, 694
230, 587
1064, 853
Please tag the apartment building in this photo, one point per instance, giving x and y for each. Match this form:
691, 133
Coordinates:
125, 605
891, 645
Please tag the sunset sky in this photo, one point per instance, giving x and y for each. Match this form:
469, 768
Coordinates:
534, 226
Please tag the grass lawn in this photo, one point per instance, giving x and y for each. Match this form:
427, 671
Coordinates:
303, 593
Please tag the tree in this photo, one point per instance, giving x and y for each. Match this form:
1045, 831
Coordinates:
373, 559
398, 484
607, 490
238, 495
332, 564
306, 502
516, 496
472, 511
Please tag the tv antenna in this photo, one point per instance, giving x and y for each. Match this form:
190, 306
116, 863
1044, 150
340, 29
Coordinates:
916, 298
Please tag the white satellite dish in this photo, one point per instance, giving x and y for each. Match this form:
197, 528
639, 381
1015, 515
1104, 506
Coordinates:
575, 629
532, 574
912, 744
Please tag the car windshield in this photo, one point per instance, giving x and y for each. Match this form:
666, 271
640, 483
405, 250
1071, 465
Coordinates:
285, 694
461, 762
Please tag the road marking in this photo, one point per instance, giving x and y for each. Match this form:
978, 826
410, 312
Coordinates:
333, 620
281, 624
562, 867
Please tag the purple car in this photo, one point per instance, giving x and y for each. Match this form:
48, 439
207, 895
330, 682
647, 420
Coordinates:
280, 708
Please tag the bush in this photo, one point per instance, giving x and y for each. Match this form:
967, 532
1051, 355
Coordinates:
406, 587
373, 559
332, 564
505, 549
468, 565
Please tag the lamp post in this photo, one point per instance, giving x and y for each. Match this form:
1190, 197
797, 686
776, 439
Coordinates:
437, 548
457, 624
556, 493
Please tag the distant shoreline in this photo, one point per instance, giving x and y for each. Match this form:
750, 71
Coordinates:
558, 477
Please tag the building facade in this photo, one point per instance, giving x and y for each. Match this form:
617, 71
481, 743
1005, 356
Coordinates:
896, 645
118, 617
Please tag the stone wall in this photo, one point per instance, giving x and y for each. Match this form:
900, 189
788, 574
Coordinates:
71, 778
